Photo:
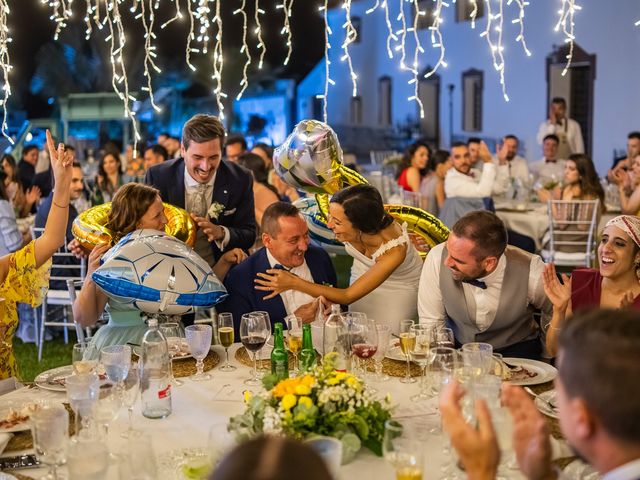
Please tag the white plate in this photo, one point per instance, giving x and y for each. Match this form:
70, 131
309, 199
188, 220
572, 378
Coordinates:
47, 380
549, 396
6, 476
4, 411
578, 470
395, 353
138, 351
544, 371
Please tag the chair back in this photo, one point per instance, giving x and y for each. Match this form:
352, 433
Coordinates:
572, 232
64, 264
73, 287
378, 156
455, 208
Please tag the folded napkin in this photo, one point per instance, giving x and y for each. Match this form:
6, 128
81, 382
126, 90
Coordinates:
4, 440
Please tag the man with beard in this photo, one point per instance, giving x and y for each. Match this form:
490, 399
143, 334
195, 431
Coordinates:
483, 289
467, 182
598, 403
507, 154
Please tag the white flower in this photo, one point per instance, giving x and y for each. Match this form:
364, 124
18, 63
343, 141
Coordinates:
215, 210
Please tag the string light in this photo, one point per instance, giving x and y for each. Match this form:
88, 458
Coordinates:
286, 29
202, 16
190, 37
390, 35
520, 20
327, 46
61, 13
403, 35
496, 49
149, 50
373, 9
436, 38
5, 64
244, 83
218, 62
474, 12
416, 18
177, 16
87, 19
258, 31
565, 20
350, 36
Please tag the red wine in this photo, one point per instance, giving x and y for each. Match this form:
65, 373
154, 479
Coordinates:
253, 343
364, 350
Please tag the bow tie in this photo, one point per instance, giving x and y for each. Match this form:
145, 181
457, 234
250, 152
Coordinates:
548, 160
476, 283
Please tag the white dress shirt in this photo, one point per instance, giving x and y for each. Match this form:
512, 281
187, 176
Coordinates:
293, 299
548, 170
190, 191
628, 471
567, 126
430, 302
476, 184
517, 168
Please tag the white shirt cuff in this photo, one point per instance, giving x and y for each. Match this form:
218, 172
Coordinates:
225, 240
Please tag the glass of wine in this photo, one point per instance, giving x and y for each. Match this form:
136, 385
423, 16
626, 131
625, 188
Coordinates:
173, 333
407, 344
384, 334
262, 369
422, 354
199, 340
50, 429
116, 360
129, 397
253, 335
84, 357
364, 340
225, 334
294, 340
443, 337
402, 448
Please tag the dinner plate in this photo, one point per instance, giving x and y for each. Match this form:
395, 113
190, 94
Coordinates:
394, 352
544, 372
544, 407
6, 476
49, 380
4, 411
138, 351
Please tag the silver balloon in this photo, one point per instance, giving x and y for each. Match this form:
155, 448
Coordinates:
310, 158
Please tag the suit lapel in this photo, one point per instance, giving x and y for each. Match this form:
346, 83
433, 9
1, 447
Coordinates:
277, 305
221, 187
176, 185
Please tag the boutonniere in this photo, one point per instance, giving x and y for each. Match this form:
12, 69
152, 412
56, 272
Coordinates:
215, 210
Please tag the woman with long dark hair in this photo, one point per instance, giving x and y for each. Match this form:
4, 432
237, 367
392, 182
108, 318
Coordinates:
108, 180
413, 167
21, 197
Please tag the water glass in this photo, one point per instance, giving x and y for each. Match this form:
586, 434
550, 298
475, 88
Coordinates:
87, 458
129, 397
407, 344
478, 356
403, 449
82, 393
294, 340
106, 408
226, 337
116, 360
50, 430
137, 459
444, 362
199, 340
423, 353
84, 358
384, 335
253, 333
173, 333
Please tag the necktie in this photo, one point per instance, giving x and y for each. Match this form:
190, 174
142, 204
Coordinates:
199, 203
476, 283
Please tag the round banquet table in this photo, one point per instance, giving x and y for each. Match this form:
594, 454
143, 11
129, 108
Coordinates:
199, 407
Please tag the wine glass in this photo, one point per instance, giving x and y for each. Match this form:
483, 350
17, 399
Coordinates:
116, 360
82, 393
50, 430
402, 448
173, 333
443, 337
422, 354
199, 340
129, 397
267, 320
352, 319
384, 334
407, 344
364, 340
253, 334
225, 334
84, 357
478, 356
294, 340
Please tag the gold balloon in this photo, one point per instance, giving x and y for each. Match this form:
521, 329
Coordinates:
419, 222
90, 229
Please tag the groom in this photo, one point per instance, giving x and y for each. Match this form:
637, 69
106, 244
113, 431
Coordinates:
218, 194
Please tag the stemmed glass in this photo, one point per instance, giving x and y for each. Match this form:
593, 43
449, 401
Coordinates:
423, 353
84, 357
116, 360
253, 334
294, 340
199, 340
402, 448
384, 334
225, 334
353, 319
407, 344
173, 333
50, 429
129, 397
267, 321
82, 393
364, 341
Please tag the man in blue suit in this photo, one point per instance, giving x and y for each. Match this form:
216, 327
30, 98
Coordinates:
286, 245
218, 194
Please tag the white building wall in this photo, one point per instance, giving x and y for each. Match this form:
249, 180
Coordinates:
603, 28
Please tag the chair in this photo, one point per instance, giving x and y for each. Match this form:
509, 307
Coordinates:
378, 156
572, 232
455, 208
73, 286
64, 267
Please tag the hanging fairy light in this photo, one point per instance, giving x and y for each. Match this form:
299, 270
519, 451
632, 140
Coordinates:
327, 46
402, 36
436, 38
390, 35
177, 16
61, 13
202, 16
350, 36
244, 83
287, 6
417, 13
5, 64
474, 12
190, 37
258, 31
218, 62
520, 20
566, 21
496, 49
149, 49
370, 10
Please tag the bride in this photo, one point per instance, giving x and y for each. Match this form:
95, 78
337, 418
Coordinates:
386, 266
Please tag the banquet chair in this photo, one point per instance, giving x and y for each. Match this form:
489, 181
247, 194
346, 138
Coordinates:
64, 267
73, 286
572, 232
378, 156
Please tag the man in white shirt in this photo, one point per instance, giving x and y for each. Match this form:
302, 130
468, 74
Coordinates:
597, 398
507, 154
484, 289
464, 181
550, 169
473, 143
566, 129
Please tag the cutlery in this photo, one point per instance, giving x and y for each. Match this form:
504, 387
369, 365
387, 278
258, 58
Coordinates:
542, 399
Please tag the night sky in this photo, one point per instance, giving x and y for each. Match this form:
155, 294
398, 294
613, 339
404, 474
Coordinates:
31, 28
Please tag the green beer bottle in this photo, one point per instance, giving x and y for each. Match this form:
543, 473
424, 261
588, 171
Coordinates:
279, 356
308, 353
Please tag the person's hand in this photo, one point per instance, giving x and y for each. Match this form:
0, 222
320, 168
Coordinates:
419, 242
275, 281
307, 312
501, 153
74, 247
477, 448
553, 119
326, 306
627, 301
33, 195
61, 163
530, 434
484, 154
211, 230
234, 256
558, 293
94, 257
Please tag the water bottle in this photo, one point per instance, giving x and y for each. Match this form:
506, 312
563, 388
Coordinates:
155, 378
335, 338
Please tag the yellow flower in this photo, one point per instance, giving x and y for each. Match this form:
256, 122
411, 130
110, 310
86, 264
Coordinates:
288, 401
302, 390
306, 401
285, 387
247, 395
352, 382
308, 380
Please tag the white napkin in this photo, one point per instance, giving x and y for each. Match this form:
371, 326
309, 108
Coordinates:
4, 440
560, 449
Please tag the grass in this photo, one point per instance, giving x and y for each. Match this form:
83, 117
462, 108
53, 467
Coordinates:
56, 354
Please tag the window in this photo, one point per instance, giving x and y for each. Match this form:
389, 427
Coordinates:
426, 20
357, 24
464, 8
472, 84
355, 113
384, 101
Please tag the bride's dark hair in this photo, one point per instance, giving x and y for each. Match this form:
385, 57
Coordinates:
363, 207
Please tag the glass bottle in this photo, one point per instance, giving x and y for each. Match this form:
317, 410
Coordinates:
155, 373
308, 353
279, 355
335, 338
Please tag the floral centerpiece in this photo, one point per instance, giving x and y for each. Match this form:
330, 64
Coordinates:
321, 402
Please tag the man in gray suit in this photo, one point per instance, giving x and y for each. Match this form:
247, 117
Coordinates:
484, 289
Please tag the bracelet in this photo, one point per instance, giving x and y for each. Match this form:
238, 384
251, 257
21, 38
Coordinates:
58, 205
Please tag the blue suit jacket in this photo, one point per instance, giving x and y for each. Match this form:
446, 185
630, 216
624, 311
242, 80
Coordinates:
244, 298
232, 188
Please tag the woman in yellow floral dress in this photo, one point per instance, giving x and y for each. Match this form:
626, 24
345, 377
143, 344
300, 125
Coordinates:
24, 275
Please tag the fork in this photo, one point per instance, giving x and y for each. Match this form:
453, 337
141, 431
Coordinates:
542, 399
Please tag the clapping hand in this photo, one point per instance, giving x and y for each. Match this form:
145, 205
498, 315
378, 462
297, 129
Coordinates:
627, 301
484, 154
558, 293
275, 281
33, 195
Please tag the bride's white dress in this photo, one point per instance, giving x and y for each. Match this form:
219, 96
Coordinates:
397, 298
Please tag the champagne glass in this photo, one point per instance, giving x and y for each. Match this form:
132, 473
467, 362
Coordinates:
116, 360
84, 357
294, 340
50, 430
129, 397
253, 334
407, 344
364, 340
267, 320
422, 354
402, 448
225, 334
384, 334
173, 333
199, 340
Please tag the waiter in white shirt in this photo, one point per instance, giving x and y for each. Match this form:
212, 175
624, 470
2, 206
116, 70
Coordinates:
567, 129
